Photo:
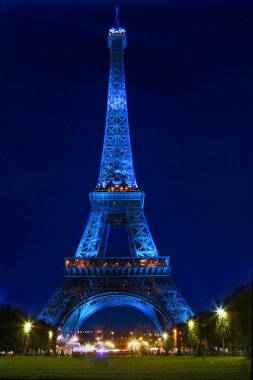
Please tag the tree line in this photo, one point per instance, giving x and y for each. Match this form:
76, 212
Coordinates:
210, 332
206, 331
14, 338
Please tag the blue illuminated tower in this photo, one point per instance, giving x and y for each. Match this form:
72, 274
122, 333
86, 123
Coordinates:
117, 199
92, 280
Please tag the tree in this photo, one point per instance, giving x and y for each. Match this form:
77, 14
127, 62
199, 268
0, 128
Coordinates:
238, 307
192, 333
11, 321
13, 336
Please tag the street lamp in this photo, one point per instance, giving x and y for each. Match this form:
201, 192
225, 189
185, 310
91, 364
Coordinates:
27, 328
50, 337
221, 312
191, 324
222, 316
165, 339
191, 334
175, 338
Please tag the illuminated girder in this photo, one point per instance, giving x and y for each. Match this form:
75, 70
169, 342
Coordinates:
117, 163
117, 200
79, 298
141, 241
94, 235
117, 209
90, 306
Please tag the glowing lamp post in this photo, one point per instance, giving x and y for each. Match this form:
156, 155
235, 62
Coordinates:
191, 324
50, 337
191, 333
27, 328
222, 316
175, 338
165, 336
221, 313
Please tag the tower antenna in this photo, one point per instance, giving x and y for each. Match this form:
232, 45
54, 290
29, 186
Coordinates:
117, 16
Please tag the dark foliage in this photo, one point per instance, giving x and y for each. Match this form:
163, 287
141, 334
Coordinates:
13, 338
239, 307
207, 334
11, 321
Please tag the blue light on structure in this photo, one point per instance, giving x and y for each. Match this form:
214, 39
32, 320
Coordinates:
116, 208
91, 306
117, 172
93, 281
117, 163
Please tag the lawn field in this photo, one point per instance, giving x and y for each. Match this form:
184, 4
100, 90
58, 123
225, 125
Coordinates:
169, 368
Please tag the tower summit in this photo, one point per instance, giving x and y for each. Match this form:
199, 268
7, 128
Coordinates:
117, 201
117, 167
92, 280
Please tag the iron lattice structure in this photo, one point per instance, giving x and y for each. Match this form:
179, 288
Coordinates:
117, 199
117, 163
91, 280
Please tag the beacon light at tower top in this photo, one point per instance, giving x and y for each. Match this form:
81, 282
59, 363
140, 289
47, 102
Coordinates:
117, 30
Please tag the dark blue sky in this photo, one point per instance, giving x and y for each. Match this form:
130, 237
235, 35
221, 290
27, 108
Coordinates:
190, 98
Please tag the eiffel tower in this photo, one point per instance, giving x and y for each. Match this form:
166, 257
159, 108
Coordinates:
92, 281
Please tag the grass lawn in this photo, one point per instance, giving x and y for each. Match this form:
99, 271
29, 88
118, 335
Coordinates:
159, 368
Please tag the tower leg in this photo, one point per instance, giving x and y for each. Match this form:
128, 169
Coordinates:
141, 241
58, 305
93, 241
171, 299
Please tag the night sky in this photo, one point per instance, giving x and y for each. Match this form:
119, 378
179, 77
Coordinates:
189, 84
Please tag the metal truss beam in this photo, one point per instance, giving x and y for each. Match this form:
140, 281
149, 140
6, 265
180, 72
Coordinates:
127, 206
94, 239
78, 316
140, 238
117, 163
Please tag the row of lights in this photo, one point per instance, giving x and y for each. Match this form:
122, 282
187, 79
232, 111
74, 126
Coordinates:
222, 314
28, 327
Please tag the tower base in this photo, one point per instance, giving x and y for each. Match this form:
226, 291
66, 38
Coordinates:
90, 285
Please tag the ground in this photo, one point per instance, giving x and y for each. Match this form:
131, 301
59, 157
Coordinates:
169, 368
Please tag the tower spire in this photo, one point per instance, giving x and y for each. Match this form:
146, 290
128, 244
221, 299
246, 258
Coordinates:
117, 164
117, 16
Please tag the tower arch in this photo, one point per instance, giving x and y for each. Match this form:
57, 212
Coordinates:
84, 309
